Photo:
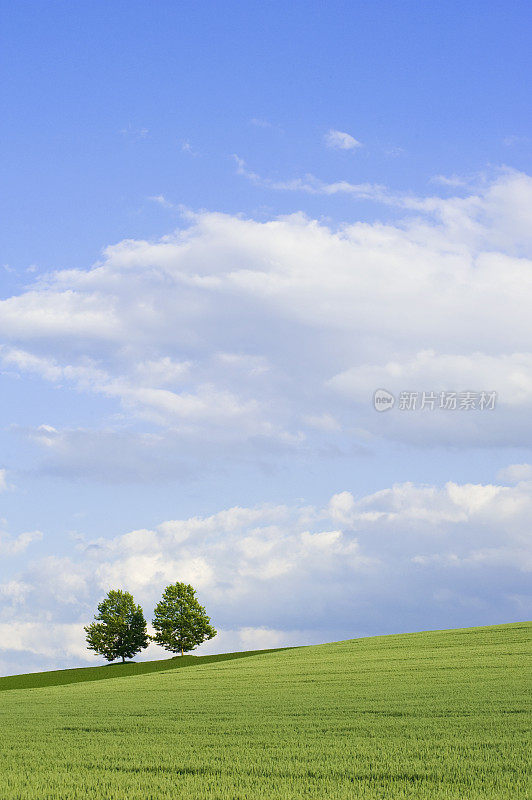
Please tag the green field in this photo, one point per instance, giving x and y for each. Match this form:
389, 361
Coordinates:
429, 715
60, 677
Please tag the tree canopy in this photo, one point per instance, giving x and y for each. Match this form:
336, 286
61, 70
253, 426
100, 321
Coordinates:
119, 629
180, 622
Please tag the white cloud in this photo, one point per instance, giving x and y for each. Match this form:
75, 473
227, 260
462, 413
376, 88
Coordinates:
143, 392
339, 140
253, 365
270, 573
324, 422
48, 639
309, 184
341, 507
10, 546
63, 645
275, 334
15, 591
4, 486
493, 215
264, 638
114, 456
161, 200
454, 181
510, 375
515, 473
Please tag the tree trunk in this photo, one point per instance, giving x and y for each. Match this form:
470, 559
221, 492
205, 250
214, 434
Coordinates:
123, 660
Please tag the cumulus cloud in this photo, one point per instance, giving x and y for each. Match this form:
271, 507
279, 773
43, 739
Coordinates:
12, 546
339, 140
515, 473
511, 374
15, 591
48, 640
275, 574
275, 334
493, 214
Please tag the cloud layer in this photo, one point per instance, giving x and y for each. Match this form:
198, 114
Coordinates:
406, 557
237, 341
233, 330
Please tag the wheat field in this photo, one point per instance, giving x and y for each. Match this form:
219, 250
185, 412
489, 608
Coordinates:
427, 715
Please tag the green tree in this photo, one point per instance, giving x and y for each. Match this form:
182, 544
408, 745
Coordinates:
181, 624
119, 630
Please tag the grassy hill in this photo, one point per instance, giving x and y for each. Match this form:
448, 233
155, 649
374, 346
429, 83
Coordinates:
429, 715
60, 677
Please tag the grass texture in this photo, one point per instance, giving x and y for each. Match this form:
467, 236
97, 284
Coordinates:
428, 715
60, 677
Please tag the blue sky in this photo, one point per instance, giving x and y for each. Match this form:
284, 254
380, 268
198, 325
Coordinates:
222, 230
